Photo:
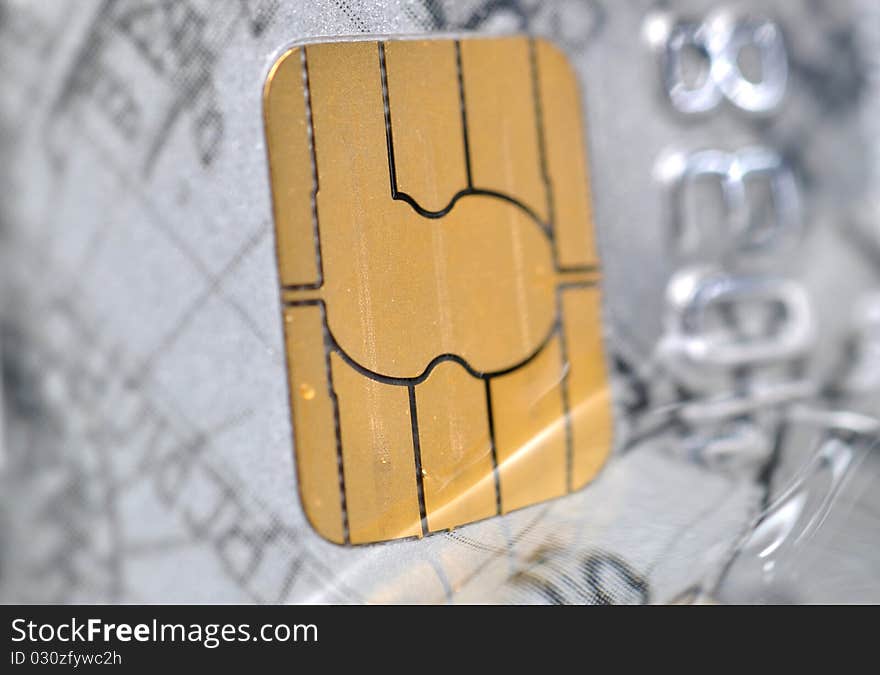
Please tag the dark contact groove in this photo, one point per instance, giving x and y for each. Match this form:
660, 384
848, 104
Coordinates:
316, 228
464, 124
417, 455
496, 476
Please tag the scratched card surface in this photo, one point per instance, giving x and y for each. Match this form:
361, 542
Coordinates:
439, 281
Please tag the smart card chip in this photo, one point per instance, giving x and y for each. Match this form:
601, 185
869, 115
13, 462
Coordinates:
439, 278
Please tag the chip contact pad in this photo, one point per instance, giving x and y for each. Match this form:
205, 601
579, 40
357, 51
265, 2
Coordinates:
439, 280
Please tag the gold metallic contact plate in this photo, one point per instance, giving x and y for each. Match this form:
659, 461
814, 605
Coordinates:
439, 280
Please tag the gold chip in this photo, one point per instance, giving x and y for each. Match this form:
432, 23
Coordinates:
439, 280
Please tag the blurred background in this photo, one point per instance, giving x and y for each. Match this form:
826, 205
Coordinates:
146, 451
